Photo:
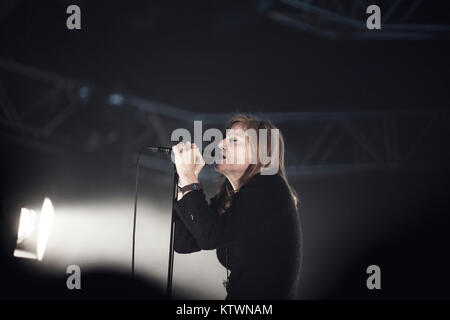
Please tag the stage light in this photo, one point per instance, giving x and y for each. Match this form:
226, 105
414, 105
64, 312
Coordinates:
84, 93
116, 99
26, 225
33, 233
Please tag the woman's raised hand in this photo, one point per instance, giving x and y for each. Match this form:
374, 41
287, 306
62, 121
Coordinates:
188, 161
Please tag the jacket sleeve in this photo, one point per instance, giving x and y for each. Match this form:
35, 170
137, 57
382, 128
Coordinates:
184, 242
212, 230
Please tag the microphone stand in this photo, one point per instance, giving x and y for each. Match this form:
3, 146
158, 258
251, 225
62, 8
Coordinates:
172, 233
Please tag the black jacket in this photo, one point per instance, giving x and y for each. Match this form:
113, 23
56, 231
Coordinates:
257, 238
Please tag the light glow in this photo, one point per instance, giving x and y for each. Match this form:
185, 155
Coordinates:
27, 224
34, 231
45, 227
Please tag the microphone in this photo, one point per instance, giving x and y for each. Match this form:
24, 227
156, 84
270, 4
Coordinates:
165, 150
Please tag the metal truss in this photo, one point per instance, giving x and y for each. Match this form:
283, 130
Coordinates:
317, 142
19, 125
400, 19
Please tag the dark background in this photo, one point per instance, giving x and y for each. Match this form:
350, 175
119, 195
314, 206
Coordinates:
227, 56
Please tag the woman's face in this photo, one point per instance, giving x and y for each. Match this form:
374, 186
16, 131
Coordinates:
235, 149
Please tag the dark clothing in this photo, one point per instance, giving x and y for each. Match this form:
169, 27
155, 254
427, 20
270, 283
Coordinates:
257, 238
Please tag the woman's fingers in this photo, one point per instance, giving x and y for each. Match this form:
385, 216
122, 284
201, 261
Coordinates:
188, 152
176, 148
188, 159
185, 145
198, 156
183, 152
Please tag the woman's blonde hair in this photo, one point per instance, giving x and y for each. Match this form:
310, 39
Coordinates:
226, 192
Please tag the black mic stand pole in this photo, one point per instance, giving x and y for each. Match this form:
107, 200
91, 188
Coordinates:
172, 233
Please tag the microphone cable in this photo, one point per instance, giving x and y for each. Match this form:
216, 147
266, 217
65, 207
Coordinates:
134, 213
165, 150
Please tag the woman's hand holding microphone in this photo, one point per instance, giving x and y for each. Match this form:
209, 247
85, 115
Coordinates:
189, 162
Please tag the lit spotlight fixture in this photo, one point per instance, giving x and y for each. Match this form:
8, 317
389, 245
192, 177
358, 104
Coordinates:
34, 231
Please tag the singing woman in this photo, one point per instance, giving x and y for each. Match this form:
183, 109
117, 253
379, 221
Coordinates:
252, 221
